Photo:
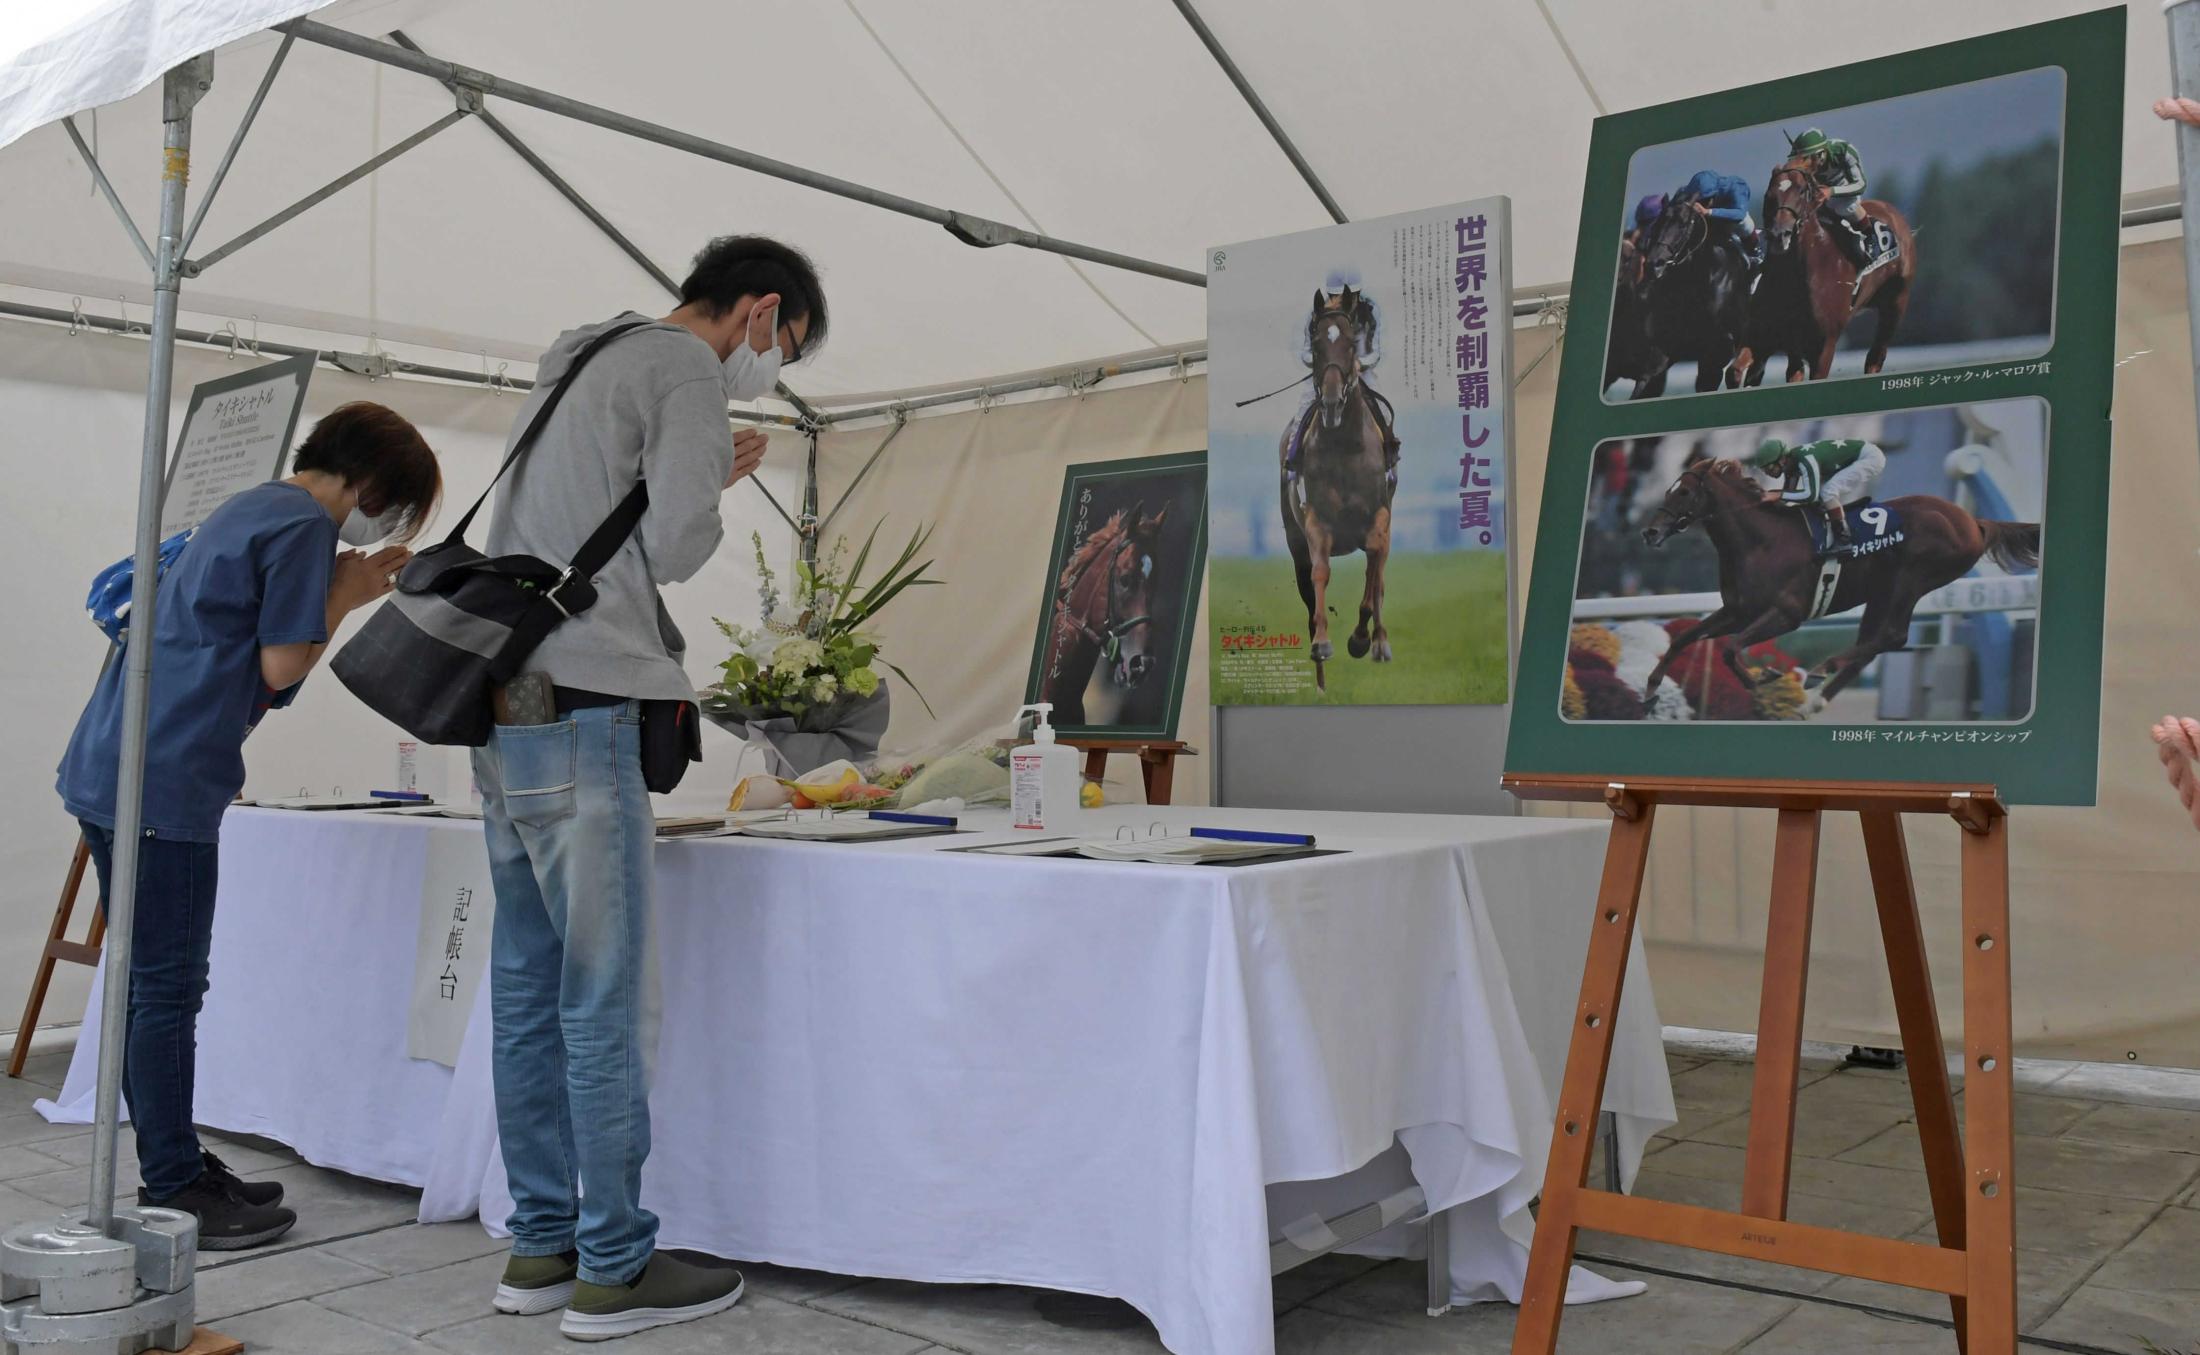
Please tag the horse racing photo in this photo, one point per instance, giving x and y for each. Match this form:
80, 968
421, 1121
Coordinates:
1359, 425
1909, 233
1123, 579
1852, 570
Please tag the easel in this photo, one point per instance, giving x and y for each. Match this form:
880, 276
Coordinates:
1970, 1177
1156, 761
59, 947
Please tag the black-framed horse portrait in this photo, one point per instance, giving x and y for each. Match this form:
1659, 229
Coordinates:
1121, 596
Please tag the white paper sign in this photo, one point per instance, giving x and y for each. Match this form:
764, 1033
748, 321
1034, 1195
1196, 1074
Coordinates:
235, 434
457, 906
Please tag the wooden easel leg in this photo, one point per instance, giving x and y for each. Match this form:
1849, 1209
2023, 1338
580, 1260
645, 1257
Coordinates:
1096, 764
44, 974
1780, 1016
1989, 1139
1160, 770
1918, 1015
1588, 1058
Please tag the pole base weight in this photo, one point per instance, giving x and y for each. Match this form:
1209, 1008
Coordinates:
67, 1288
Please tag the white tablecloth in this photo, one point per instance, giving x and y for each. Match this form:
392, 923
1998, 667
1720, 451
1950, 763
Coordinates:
896, 1061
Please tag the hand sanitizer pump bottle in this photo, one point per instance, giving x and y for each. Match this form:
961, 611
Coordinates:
1042, 778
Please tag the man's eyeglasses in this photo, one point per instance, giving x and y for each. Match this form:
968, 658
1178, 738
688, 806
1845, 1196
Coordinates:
793, 351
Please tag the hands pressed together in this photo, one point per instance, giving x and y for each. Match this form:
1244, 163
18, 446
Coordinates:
748, 454
360, 578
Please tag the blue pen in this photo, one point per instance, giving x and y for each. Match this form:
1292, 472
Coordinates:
396, 795
924, 820
1247, 835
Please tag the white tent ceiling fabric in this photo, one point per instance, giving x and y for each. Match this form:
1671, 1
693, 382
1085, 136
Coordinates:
1100, 121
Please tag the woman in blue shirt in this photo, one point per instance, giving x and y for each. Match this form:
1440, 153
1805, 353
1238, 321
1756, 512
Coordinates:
244, 614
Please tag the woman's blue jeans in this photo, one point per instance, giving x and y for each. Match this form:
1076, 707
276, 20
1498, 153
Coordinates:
171, 936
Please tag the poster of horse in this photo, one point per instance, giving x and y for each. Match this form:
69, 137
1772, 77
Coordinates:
1700, 595
1121, 597
1360, 433
1893, 235
1885, 560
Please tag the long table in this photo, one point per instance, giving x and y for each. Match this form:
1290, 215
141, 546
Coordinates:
897, 1060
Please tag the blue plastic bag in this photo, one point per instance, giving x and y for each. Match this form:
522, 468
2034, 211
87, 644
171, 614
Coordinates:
109, 603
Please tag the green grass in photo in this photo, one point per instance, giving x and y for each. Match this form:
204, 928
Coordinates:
1445, 611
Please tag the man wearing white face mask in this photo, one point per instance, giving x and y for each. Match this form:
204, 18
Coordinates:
568, 819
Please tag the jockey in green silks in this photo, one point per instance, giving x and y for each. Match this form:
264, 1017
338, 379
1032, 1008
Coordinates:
1839, 170
1830, 473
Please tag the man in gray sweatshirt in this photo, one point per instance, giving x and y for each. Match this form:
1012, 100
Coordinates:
567, 816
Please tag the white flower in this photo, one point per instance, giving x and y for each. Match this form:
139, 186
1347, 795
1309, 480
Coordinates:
798, 653
824, 688
758, 645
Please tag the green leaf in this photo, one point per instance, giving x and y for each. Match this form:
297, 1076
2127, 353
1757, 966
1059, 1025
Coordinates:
895, 668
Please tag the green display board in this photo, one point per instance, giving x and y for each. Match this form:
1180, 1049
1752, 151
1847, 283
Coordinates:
1886, 561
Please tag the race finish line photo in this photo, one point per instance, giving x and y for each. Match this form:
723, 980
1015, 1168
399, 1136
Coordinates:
1845, 592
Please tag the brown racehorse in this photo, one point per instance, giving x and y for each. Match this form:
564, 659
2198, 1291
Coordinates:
1769, 576
1808, 291
1340, 500
1103, 609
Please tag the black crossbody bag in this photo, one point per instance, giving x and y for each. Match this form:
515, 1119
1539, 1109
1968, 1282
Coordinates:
460, 623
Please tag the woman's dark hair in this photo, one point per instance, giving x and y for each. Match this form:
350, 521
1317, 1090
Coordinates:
376, 449
734, 266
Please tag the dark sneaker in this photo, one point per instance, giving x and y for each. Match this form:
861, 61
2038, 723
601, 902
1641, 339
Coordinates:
227, 1222
669, 1290
261, 1193
537, 1284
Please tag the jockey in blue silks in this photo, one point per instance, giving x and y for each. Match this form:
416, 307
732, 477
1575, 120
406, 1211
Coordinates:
1724, 201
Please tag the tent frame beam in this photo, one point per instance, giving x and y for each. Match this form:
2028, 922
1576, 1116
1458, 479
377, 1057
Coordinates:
583, 206
973, 230
1260, 110
194, 267
114, 200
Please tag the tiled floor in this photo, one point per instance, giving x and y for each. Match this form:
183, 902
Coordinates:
2108, 1238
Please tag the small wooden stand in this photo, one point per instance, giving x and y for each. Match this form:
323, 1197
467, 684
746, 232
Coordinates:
59, 947
1970, 1176
1156, 759
204, 1342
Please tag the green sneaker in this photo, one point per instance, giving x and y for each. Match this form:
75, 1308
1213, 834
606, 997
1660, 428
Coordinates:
537, 1284
669, 1290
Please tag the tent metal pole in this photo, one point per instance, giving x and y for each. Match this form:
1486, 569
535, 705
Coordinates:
974, 230
1260, 109
2184, 66
877, 452
193, 267
99, 176
584, 207
807, 525
773, 500
181, 91
236, 139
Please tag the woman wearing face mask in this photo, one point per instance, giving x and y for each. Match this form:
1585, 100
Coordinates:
244, 614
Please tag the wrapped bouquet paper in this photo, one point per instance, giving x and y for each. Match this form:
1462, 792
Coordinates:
802, 687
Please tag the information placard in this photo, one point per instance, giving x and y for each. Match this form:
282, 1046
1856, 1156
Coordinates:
235, 434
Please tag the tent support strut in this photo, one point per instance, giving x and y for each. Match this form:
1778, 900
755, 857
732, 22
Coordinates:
236, 139
191, 268
2184, 65
99, 176
971, 229
1260, 110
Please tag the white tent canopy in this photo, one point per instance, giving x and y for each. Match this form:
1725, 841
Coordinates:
1100, 122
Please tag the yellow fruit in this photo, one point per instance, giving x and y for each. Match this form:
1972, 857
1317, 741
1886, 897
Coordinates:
1091, 796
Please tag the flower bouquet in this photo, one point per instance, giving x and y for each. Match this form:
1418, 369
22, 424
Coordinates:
803, 683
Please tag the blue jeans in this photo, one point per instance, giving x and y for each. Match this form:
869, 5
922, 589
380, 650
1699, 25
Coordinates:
572, 991
171, 936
